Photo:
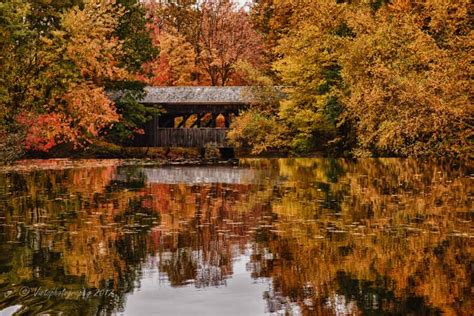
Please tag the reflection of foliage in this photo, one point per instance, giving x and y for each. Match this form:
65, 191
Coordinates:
71, 237
128, 178
199, 226
369, 236
401, 220
373, 297
91, 227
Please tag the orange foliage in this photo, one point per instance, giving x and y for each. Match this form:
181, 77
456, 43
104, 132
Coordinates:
202, 44
226, 37
43, 131
79, 57
175, 65
89, 111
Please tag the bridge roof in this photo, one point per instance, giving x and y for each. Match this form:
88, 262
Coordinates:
197, 95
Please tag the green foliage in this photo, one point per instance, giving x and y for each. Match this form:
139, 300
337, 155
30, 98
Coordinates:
133, 114
132, 29
138, 49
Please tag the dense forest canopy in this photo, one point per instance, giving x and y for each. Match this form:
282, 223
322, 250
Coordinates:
372, 77
363, 78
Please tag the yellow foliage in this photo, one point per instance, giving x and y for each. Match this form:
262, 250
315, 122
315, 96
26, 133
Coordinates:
91, 44
397, 73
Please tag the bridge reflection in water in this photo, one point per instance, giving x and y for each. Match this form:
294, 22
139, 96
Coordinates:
286, 236
200, 175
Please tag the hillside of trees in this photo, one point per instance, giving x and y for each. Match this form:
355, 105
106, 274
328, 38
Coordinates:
360, 78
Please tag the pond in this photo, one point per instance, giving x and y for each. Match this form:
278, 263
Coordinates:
264, 237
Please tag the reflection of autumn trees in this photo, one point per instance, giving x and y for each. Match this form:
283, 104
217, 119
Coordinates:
357, 236
95, 227
396, 229
62, 229
67, 212
202, 229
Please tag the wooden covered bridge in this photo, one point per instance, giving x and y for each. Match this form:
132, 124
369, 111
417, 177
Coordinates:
192, 116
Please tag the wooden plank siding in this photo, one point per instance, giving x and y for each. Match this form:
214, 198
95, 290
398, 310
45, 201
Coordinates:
189, 137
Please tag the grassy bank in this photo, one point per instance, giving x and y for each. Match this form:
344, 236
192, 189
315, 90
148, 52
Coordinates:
108, 150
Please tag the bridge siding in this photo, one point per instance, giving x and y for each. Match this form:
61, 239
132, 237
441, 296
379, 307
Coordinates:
189, 137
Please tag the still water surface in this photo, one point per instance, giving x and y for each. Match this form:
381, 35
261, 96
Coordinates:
280, 236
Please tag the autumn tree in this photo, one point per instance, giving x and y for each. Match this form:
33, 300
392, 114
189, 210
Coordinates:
375, 77
54, 79
226, 37
181, 16
85, 40
305, 62
14, 39
176, 64
272, 19
45, 16
219, 32
258, 128
133, 30
58, 58
409, 80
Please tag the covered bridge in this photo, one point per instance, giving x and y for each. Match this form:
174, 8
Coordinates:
192, 116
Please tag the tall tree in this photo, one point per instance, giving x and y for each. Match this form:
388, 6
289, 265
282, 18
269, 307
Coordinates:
378, 77
82, 55
57, 58
133, 30
176, 64
14, 39
181, 16
53, 80
272, 19
226, 37
408, 74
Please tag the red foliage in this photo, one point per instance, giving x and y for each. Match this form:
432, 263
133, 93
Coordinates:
42, 130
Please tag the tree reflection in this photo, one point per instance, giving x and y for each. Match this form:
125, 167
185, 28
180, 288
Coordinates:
335, 236
397, 220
